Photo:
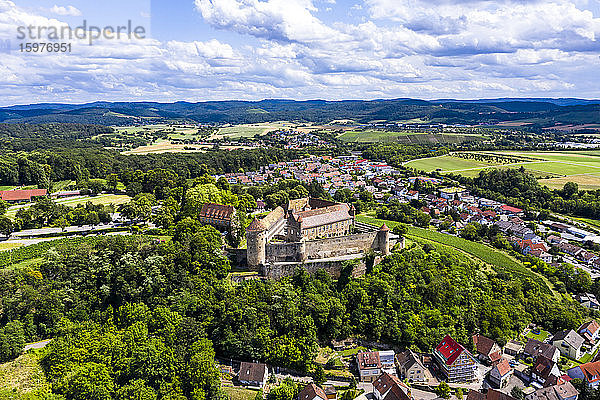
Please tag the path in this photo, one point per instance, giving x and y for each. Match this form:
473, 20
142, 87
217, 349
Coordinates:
37, 345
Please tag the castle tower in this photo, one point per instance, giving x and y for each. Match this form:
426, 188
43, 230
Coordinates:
256, 239
383, 238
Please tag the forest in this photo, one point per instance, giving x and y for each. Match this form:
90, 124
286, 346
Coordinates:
135, 313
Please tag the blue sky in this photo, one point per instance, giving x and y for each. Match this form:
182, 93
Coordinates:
197, 50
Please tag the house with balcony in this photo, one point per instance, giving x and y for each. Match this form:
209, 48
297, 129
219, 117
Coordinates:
455, 362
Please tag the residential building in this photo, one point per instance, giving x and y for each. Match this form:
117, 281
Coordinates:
369, 366
569, 343
454, 361
535, 348
253, 374
411, 367
564, 391
488, 350
386, 359
312, 392
589, 331
544, 371
501, 373
513, 348
588, 372
330, 392
389, 387
492, 394
588, 300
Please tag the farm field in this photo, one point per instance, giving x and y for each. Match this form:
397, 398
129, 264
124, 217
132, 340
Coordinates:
553, 169
163, 146
500, 260
372, 136
249, 130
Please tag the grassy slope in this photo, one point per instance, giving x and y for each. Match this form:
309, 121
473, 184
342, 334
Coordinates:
22, 375
500, 261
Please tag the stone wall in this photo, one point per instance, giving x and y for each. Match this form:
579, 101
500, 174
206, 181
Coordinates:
342, 245
280, 252
333, 268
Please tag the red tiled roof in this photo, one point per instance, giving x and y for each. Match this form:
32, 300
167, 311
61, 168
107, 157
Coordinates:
217, 211
503, 367
311, 391
18, 195
449, 349
511, 209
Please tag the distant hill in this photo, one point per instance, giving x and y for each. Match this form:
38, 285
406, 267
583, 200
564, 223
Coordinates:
545, 112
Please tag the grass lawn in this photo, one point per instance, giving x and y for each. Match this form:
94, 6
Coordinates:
236, 393
500, 260
23, 375
543, 335
351, 352
103, 199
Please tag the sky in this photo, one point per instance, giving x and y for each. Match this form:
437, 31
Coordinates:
198, 50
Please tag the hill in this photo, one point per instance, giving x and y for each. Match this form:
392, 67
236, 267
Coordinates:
544, 112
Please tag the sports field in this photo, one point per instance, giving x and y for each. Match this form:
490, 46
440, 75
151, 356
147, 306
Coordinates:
553, 169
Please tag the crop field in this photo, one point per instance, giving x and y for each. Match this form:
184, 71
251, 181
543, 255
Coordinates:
249, 130
380, 136
497, 259
164, 146
553, 169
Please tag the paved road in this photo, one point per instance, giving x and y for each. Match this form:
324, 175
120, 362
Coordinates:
37, 345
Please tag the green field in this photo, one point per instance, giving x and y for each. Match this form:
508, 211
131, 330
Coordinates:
381, 136
553, 169
249, 130
497, 259
103, 199
445, 164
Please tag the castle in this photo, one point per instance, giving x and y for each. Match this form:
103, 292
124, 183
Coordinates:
311, 232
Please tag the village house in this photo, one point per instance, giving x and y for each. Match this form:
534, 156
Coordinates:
513, 348
487, 349
589, 331
389, 387
544, 371
369, 366
253, 374
454, 361
564, 391
569, 343
588, 372
387, 361
535, 348
501, 373
588, 300
491, 394
411, 368
312, 392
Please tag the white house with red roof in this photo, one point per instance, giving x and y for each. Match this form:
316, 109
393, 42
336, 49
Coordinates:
455, 362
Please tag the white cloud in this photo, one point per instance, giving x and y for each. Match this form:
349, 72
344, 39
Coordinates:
65, 11
445, 48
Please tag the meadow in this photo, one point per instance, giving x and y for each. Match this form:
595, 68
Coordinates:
104, 199
381, 136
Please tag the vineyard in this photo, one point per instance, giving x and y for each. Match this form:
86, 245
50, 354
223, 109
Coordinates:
18, 255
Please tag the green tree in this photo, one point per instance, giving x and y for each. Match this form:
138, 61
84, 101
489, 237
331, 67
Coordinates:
443, 390
319, 375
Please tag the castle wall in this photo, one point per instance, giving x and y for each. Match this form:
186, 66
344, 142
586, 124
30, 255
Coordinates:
280, 252
333, 268
342, 245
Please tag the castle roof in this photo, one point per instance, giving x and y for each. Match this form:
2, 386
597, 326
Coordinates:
217, 211
255, 226
323, 216
384, 228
